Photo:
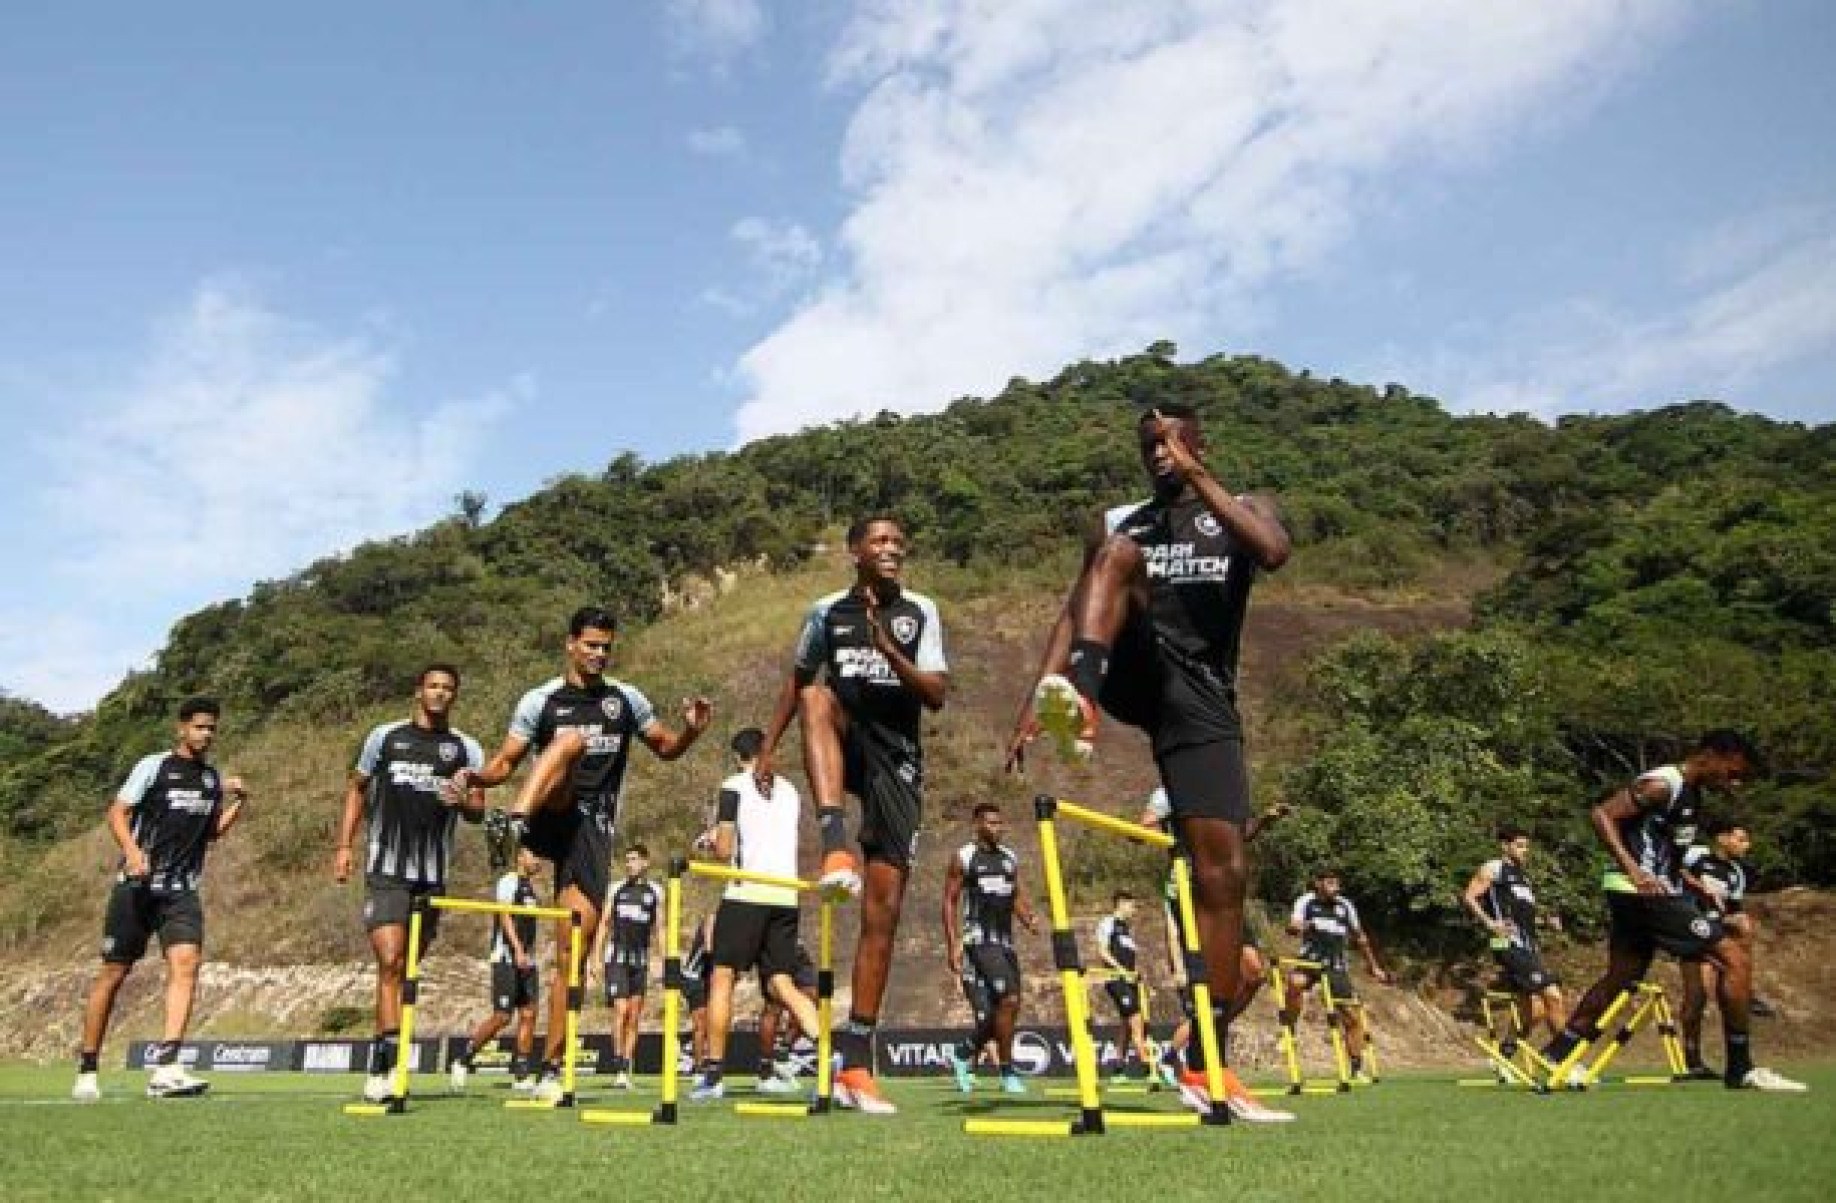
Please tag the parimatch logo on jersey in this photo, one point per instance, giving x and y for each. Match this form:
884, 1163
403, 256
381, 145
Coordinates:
1179, 562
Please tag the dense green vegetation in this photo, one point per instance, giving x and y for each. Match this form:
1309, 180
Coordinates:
1671, 570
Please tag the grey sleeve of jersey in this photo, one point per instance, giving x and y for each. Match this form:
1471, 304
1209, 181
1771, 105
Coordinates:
930, 640
139, 780
1351, 912
1106, 927
371, 753
964, 855
1298, 915
642, 712
474, 754
1694, 856
506, 889
813, 640
528, 715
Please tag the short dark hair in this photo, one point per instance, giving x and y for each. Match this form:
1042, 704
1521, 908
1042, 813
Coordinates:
747, 744
1723, 824
1511, 831
857, 530
639, 849
597, 617
1122, 896
1170, 409
198, 704
438, 666
1725, 741
1325, 871
982, 808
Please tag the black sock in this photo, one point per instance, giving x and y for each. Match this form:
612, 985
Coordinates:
1558, 1049
1692, 1053
1089, 665
1740, 1055
711, 1070
519, 1067
833, 825
1007, 1068
86, 1063
163, 1053
767, 1067
464, 1055
854, 1041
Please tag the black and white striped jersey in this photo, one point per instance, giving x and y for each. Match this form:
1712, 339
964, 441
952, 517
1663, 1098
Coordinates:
607, 714
1327, 928
406, 769
633, 915
1114, 934
513, 889
835, 638
1510, 900
991, 878
172, 804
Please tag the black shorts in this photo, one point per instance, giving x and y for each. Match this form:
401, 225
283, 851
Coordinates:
748, 934
1522, 970
1644, 924
579, 847
885, 770
995, 968
803, 976
1338, 980
1126, 996
513, 988
1176, 699
135, 914
1207, 780
626, 980
388, 903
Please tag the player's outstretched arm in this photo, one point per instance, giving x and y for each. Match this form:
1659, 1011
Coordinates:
227, 817
697, 713
348, 822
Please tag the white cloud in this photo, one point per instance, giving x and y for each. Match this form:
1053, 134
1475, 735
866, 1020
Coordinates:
246, 445
1752, 295
779, 256
716, 31
717, 142
1037, 181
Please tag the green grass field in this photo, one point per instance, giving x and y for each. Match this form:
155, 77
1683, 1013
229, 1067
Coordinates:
285, 1137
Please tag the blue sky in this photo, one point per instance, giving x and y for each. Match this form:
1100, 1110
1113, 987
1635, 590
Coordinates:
280, 279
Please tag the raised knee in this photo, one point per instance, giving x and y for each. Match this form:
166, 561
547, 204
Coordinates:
1117, 555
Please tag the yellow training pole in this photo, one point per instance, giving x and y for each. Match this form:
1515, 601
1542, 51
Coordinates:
576, 993
1558, 1076
411, 988
719, 872
1623, 1036
1335, 1025
825, 1007
478, 906
672, 992
1070, 970
1152, 837
1198, 981
1278, 991
1667, 1030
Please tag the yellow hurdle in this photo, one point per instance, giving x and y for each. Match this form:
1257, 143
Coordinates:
1092, 1119
665, 1113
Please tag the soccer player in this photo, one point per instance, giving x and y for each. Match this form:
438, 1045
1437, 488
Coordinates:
1501, 898
1252, 969
1150, 633
1646, 827
756, 925
1327, 922
985, 874
779, 1031
1717, 875
880, 648
633, 908
404, 783
164, 819
515, 980
1115, 940
581, 726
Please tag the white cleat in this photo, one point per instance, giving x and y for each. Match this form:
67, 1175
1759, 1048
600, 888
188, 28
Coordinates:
1244, 1107
839, 885
378, 1088
457, 1074
622, 1081
523, 1085
1760, 1078
1064, 717
172, 1082
87, 1089
548, 1090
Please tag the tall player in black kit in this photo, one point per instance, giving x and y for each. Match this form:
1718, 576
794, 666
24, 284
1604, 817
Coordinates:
878, 648
1150, 633
402, 784
581, 726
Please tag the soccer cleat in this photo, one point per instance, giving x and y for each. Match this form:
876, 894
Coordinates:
1245, 1107
503, 834
964, 1072
1760, 1078
841, 876
622, 1081
456, 1075
1169, 1073
378, 1088
523, 1085
708, 1089
778, 1082
87, 1089
548, 1089
1698, 1073
1067, 717
856, 1090
172, 1082
1012, 1084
